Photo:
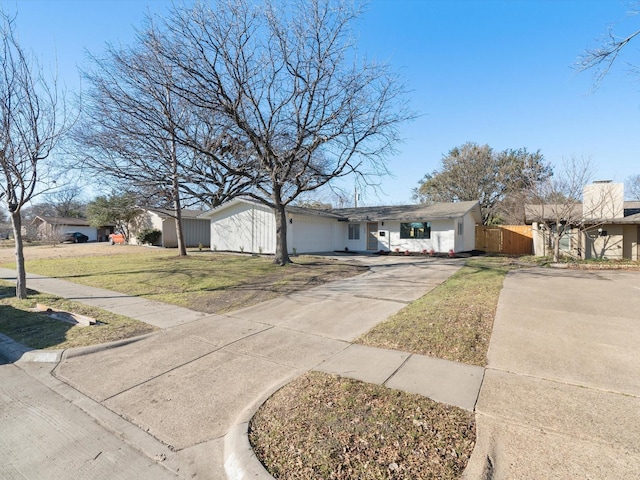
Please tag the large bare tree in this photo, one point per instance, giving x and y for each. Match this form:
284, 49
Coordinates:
32, 122
284, 80
135, 131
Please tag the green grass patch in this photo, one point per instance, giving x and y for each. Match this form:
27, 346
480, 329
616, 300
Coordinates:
322, 426
453, 321
20, 321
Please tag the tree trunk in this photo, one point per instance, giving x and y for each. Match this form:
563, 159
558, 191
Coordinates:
556, 248
182, 248
21, 275
175, 190
282, 255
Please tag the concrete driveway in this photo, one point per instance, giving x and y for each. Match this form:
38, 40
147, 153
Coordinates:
561, 394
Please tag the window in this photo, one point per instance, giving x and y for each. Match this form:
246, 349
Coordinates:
354, 231
415, 230
460, 228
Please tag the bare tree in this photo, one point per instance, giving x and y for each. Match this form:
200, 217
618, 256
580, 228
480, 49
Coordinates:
134, 131
31, 124
602, 58
556, 201
296, 102
67, 201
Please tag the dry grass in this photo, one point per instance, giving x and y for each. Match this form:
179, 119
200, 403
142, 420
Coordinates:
20, 321
206, 282
326, 427
454, 321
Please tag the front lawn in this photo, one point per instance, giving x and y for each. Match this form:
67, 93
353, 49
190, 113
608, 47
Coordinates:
206, 282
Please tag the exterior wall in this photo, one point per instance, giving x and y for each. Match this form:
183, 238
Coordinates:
244, 227
311, 234
467, 241
141, 222
609, 246
251, 228
167, 225
341, 237
572, 243
540, 247
631, 241
196, 231
442, 238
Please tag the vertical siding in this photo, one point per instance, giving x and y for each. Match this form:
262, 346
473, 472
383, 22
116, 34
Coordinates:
244, 227
196, 232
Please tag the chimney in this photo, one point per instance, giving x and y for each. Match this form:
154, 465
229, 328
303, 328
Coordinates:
603, 200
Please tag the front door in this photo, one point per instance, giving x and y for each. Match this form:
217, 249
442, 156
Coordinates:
372, 236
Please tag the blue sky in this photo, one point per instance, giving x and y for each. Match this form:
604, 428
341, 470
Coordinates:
494, 72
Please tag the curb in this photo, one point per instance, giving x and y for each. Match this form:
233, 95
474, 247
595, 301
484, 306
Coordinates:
80, 351
240, 461
17, 352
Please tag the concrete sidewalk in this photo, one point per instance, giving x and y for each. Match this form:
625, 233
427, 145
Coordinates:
561, 394
194, 386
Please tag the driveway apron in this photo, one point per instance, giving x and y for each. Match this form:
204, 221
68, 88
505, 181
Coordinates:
561, 394
190, 383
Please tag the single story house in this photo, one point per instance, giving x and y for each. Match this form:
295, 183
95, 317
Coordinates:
48, 227
195, 229
243, 225
604, 225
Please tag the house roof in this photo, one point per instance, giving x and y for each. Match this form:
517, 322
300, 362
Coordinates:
290, 209
186, 213
552, 212
434, 211
76, 222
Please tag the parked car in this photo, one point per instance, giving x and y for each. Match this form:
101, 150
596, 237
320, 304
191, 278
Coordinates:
116, 238
74, 237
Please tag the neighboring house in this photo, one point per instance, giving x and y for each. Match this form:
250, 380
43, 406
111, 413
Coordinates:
602, 226
195, 229
50, 227
243, 225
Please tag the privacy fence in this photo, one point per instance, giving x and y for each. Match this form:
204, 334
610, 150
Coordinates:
506, 239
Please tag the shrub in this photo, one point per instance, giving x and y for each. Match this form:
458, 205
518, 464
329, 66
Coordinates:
148, 235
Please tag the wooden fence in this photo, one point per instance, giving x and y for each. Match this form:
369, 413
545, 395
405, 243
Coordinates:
507, 239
